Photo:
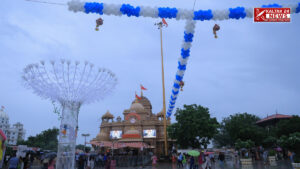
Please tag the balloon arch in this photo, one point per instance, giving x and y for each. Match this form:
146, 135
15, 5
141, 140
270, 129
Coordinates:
173, 13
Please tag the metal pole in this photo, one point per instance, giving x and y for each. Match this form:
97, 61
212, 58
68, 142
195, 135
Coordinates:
163, 86
113, 146
85, 135
85, 144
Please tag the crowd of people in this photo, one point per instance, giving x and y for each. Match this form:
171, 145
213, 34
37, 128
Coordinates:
14, 162
202, 161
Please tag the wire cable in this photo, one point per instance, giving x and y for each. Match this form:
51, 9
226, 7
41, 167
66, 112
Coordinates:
46, 2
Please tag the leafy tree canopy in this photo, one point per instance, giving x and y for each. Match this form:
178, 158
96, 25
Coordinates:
81, 147
239, 127
46, 140
288, 126
194, 127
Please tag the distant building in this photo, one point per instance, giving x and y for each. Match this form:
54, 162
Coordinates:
14, 133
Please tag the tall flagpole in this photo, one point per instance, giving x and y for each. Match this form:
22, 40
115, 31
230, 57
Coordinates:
160, 24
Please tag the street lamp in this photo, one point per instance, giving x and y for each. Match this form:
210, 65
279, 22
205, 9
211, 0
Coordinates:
85, 135
114, 140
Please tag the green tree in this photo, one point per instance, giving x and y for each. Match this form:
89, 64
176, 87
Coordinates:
239, 127
46, 140
292, 143
194, 127
81, 147
288, 126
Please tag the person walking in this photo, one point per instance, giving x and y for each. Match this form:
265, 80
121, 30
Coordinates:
196, 165
207, 164
184, 160
108, 161
291, 156
221, 160
192, 162
13, 162
265, 156
154, 160
104, 159
179, 160
81, 162
52, 162
201, 160
91, 163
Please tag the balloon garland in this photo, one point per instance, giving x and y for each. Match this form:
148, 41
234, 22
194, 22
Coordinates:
176, 13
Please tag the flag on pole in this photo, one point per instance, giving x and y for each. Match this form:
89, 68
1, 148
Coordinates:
164, 22
137, 97
143, 88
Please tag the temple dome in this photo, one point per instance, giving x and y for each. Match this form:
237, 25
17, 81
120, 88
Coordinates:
145, 102
107, 115
137, 107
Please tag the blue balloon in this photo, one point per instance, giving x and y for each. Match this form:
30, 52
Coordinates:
167, 12
173, 98
298, 8
188, 37
129, 10
237, 13
272, 6
181, 67
93, 7
179, 78
176, 86
185, 53
175, 93
203, 15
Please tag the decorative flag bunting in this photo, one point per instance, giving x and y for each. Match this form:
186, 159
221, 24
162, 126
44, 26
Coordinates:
179, 14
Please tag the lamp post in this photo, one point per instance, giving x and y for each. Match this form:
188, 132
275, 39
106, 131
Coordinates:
113, 161
85, 135
114, 140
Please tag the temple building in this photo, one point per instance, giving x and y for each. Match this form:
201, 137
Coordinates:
139, 128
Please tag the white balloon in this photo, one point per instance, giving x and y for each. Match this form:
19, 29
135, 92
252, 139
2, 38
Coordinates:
249, 12
112, 9
186, 45
183, 61
149, 12
76, 6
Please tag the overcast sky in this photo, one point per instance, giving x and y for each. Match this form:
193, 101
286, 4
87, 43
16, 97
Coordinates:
250, 68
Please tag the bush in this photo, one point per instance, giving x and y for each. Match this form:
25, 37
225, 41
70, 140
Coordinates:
272, 152
291, 143
244, 144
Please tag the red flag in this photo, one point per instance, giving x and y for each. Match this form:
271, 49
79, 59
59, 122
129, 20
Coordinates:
137, 97
164, 22
143, 88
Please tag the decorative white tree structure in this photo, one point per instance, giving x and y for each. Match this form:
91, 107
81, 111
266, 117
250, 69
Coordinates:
70, 84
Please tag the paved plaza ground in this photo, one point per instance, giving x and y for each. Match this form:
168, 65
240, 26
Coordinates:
228, 165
